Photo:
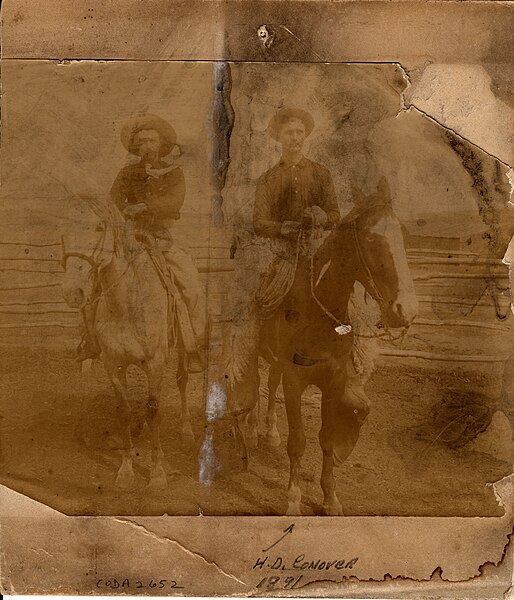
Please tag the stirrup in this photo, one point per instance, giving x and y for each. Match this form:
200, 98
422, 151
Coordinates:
85, 351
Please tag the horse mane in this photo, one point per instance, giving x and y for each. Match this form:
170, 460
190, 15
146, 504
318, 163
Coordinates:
105, 209
362, 203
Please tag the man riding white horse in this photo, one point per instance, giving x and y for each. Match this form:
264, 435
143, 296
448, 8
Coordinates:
151, 193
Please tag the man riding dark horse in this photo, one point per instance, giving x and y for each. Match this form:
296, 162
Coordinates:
295, 202
150, 193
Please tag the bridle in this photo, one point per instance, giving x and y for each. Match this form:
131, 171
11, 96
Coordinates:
367, 272
92, 259
94, 262
341, 327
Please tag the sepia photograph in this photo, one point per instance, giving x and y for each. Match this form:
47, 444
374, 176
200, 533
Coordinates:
334, 342
256, 276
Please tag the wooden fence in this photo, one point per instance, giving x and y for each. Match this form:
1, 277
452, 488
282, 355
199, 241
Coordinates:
453, 290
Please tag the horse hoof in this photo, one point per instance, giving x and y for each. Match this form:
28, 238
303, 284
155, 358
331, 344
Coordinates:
252, 440
188, 437
293, 510
334, 509
125, 481
273, 439
158, 483
86, 366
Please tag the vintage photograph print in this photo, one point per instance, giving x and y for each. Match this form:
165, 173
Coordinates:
285, 298
256, 281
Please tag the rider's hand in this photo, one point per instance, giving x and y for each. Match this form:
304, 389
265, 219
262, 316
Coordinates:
315, 219
316, 216
290, 229
133, 210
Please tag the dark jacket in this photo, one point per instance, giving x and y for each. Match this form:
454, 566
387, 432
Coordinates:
164, 195
285, 191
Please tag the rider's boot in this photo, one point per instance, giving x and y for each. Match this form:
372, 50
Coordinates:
88, 347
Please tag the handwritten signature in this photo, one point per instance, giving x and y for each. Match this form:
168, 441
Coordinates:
300, 562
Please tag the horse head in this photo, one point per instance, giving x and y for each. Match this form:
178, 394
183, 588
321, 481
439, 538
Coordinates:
367, 246
381, 261
88, 246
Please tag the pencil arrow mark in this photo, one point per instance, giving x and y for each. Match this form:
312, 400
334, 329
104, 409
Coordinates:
287, 531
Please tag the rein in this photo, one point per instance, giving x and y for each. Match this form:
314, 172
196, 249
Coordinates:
364, 265
341, 327
93, 261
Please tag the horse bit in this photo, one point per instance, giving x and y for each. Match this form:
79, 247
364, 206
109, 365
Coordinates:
92, 259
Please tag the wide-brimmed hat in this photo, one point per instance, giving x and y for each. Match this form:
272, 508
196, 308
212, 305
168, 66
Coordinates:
147, 121
287, 114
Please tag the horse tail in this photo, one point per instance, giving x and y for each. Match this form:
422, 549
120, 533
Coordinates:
242, 348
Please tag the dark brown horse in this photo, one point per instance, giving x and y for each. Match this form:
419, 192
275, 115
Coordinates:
309, 340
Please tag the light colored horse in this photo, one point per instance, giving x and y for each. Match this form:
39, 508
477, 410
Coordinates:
131, 322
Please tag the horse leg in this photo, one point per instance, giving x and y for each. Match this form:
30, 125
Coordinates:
331, 505
125, 478
252, 428
158, 480
182, 379
344, 408
252, 421
295, 443
274, 376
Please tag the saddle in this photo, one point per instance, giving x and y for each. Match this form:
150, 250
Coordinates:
274, 287
156, 243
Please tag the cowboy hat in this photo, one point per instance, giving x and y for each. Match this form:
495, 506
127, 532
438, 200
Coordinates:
287, 114
146, 121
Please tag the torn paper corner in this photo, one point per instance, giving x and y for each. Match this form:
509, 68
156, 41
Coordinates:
14, 504
504, 492
461, 98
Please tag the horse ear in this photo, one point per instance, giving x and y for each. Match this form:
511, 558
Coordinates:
358, 197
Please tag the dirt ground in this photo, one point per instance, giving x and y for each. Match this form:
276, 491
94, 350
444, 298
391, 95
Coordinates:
59, 444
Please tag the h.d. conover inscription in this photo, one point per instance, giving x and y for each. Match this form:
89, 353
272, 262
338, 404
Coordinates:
290, 569
302, 562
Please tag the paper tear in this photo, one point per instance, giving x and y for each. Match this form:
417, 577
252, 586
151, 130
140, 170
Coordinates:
483, 566
216, 402
208, 463
405, 74
214, 410
223, 117
510, 176
508, 259
166, 539
411, 107
504, 489
266, 35
287, 30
